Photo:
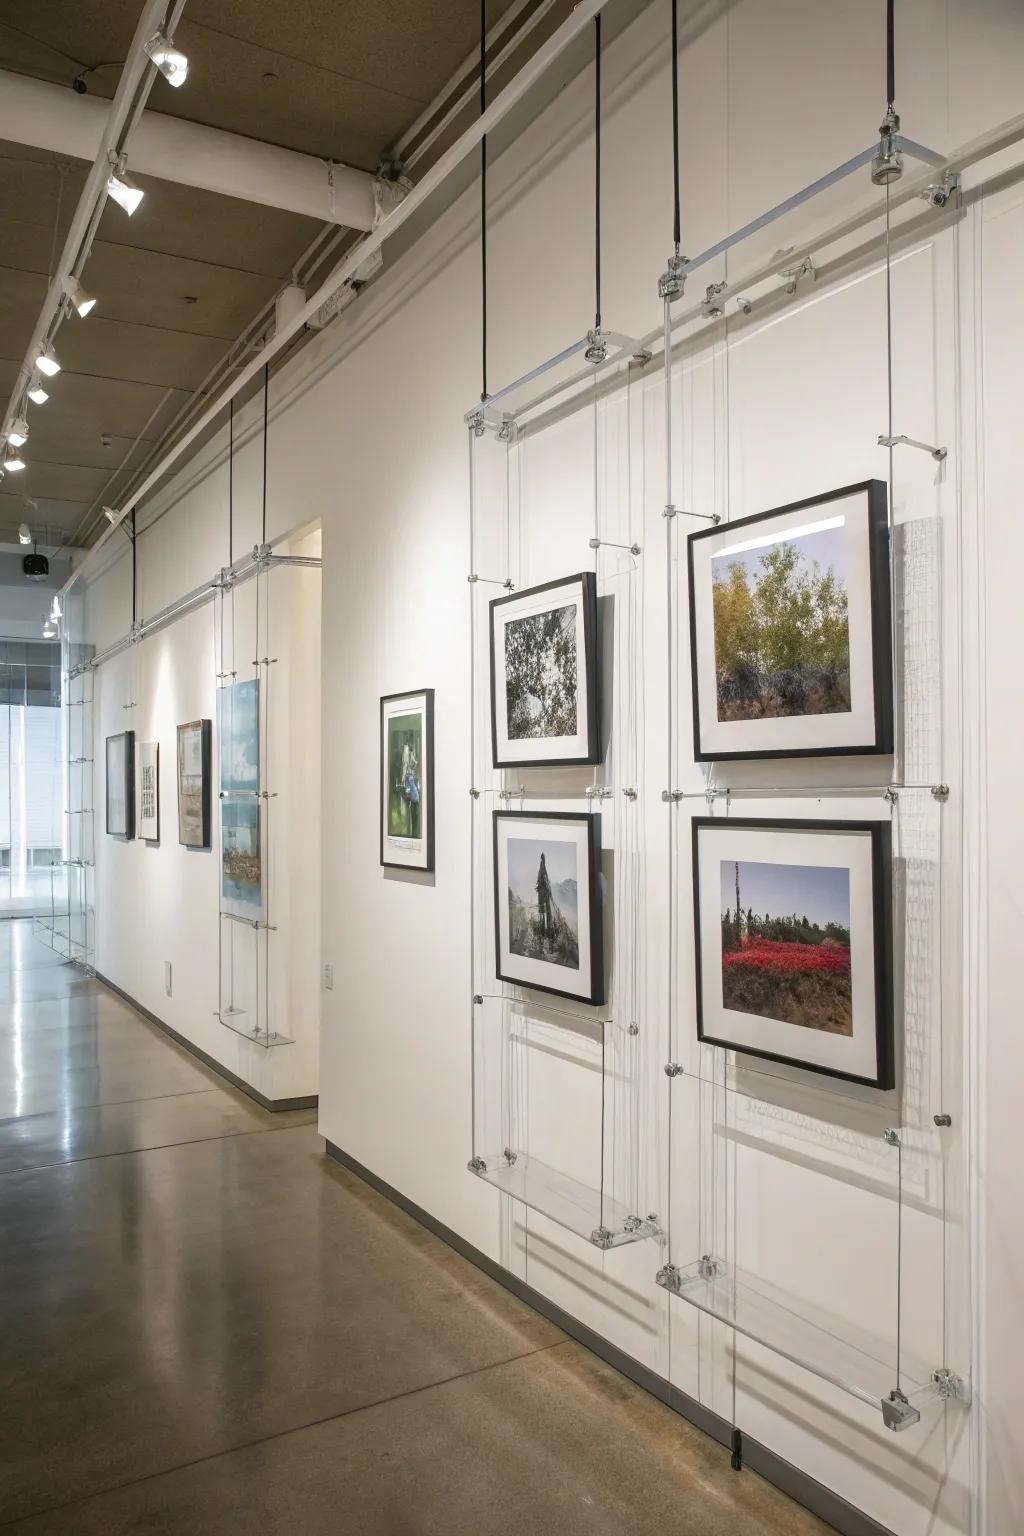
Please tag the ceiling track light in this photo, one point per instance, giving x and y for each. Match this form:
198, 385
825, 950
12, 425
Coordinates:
121, 187
170, 61
13, 461
50, 629
47, 362
24, 534
35, 392
18, 434
55, 607
77, 297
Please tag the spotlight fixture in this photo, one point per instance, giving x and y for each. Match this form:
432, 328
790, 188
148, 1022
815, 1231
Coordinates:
24, 534
18, 435
122, 189
13, 461
111, 516
55, 608
47, 362
36, 393
50, 630
81, 300
170, 61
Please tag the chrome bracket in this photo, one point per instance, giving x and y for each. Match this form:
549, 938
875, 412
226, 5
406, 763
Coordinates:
634, 549
476, 1165
492, 581
673, 279
634, 1029
940, 792
892, 1137
888, 162
939, 193
478, 997
632, 1224
629, 792
506, 431
898, 1412
601, 1238
598, 792
901, 439
712, 309
674, 1069
475, 793
597, 346
670, 796
510, 1156
950, 1386
641, 358
512, 794
942, 1121
668, 1277
794, 274
475, 423
890, 796
708, 1268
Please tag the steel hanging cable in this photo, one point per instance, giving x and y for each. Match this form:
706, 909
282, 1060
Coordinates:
483, 204
890, 53
597, 171
266, 398
676, 210
231, 482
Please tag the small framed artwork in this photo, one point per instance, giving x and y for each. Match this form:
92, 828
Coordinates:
194, 784
790, 639
147, 793
407, 780
547, 902
794, 943
544, 693
241, 858
121, 784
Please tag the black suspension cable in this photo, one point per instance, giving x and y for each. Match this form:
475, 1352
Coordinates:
890, 53
231, 481
266, 395
135, 573
483, 204
676, 212
597, 171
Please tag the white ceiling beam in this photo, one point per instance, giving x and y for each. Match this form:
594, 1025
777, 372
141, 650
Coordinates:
54, 118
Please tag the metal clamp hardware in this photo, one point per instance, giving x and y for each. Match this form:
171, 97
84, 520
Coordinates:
671, 511
512, 794
708, 1268
598, 792
673, 279
892, 1137
226, 674
888, 162
264, 661
889, 795
510, 1156
475, 423
634, 1029
711, 309
601, 1238
629, 792
938, 193
902, 440
477, 1165
597, 346
940, 792
129, 706
671, 795
492, 581
674, 1069
943, 1121
478, 998
475, 793
951, 1386
632, 1224
634, 549
744, 305
506, 431
898, 1412
668, 1276
641, 358
794, 274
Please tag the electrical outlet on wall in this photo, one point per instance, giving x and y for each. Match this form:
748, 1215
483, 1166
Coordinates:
329, 978
167, 977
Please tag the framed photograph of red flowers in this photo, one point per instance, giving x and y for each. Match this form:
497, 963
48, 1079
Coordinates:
794, 943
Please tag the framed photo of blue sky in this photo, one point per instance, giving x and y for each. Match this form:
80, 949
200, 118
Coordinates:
790, 630
407, 780
793, 930
544, 693
547, 902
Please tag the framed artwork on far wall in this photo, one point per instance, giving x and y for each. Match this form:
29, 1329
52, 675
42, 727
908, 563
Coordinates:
147, 794
121, 784
793, 927
547, 902
194, 784
544, 685
407, 780
790, 630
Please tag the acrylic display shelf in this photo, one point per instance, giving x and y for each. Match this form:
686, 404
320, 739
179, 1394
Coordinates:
597, 1218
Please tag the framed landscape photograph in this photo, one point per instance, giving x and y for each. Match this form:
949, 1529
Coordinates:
547, 902
194, 769
544, 695
790, 638
241, 859
407, 780
121, 784
793, 925
147, 794
238, 730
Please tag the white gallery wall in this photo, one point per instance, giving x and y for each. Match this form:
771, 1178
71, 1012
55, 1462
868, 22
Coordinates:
367, 437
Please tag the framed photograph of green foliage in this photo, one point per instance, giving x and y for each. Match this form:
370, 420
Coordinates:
793, 928
544, 698
790, 638
547, 902
407, 780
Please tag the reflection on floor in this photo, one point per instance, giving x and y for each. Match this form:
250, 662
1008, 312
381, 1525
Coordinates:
210, 1328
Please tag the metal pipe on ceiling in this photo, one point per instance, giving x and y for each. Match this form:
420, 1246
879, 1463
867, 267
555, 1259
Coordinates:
137, 74
503, 103
173, 149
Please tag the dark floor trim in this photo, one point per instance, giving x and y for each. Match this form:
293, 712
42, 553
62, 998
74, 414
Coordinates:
304, 1101
821, 1501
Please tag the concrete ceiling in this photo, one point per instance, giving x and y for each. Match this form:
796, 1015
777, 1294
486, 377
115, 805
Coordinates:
178, 282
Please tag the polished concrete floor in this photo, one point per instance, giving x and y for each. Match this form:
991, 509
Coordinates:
209, 1328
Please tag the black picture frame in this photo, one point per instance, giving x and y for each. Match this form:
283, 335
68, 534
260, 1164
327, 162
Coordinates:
122, 746
206, 748
588, 584
596, 980
879, 561
427, 695
882, 939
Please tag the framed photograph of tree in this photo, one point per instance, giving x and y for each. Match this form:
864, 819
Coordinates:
547, 902
407, 780
121, 784
793, 923
790, 638
544, 697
